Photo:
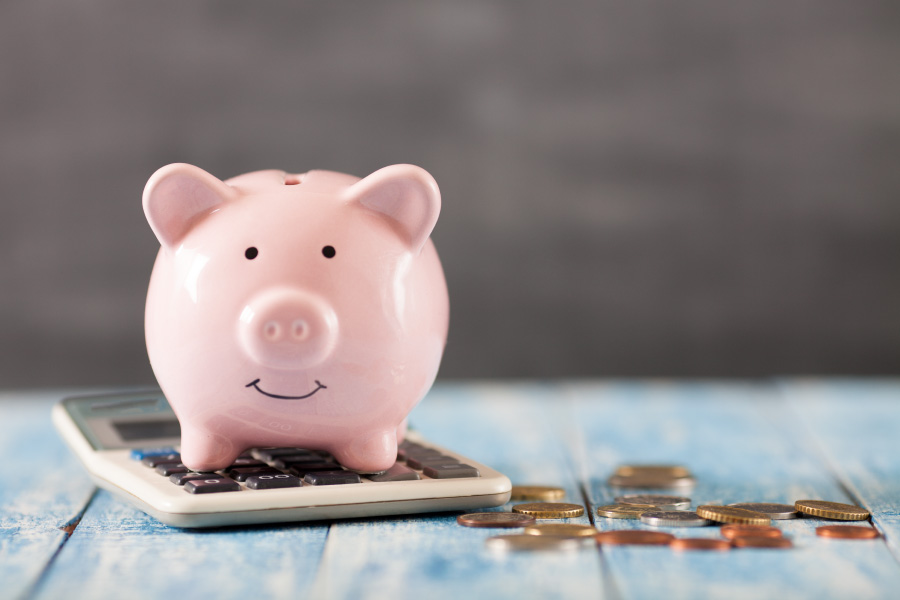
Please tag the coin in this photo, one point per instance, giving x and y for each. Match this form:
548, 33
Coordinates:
537, 492
735, 531
773, 511
495, 519
699, 544
625, 511
673, 518
847, 532
550, 510
561, 530
761, 542
651, 482
657, 500
670, 471
531, 543
634, 537
831, 510
728, 514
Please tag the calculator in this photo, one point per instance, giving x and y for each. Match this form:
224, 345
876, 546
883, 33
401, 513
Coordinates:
128, 442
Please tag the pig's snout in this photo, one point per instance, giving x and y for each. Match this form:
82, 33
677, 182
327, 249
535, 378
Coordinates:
288, 329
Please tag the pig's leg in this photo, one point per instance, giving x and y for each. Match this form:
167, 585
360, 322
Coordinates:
401, 431
205, 451
369, 454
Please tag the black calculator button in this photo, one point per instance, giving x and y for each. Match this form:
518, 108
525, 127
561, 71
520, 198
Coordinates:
158, 459
167, 469
301, 469
286, 462
398, 472
182, 478
272, 453
211, 486
245, 462
243, 473
272, 481
420, 462
331, 478
451, 471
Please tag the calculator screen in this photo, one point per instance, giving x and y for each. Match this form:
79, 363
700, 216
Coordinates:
147, 430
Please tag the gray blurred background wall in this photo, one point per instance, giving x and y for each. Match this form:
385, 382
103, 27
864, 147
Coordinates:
691, 188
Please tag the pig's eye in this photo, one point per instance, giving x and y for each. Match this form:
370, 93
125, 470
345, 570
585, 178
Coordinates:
251, 253
329, 251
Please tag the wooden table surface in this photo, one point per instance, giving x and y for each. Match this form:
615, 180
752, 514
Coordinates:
774, 441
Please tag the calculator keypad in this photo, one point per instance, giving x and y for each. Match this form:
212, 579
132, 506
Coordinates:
279, 468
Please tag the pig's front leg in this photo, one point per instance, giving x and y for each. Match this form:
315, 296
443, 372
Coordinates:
369, 454
205, 451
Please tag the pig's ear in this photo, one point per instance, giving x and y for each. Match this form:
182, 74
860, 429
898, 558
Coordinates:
177, 197
405, 194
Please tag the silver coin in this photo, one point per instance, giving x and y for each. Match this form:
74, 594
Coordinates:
773, 511
673, 518
651, 483
531, 543
660, 502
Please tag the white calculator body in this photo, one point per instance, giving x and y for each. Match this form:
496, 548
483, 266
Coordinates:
129, 444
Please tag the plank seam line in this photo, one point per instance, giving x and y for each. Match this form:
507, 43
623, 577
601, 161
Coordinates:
68, 528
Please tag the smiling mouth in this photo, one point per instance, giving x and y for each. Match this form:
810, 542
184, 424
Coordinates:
253, 383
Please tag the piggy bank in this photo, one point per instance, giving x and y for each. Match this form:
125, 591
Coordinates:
301, 310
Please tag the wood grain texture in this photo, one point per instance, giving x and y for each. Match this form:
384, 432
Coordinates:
855, 424
47, 491
743, 443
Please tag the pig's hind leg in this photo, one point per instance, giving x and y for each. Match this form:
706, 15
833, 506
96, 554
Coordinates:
204, 451
372, 453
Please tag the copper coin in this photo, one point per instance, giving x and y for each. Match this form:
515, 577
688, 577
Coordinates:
495, 519
699, 544
847, 532
733, 531
634, 537
762, 542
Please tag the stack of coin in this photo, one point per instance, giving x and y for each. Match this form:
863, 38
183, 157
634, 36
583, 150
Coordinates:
661, 477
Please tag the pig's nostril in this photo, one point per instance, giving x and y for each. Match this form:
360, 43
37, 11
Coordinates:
272, 331
299, 329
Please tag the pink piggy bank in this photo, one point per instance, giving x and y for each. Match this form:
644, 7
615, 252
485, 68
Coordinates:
294, 310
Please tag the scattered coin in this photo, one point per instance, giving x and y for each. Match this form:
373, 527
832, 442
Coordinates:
761, 542
634, 537
550, 510
699, 544
847, 532
495, 519
561, 530
670, 471
733, 531
831, 510
651, 482
537, 492
728, 514
531, 543
773, 511
657, 500
625, 511
673, 518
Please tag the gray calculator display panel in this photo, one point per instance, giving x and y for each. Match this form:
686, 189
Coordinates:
132, 420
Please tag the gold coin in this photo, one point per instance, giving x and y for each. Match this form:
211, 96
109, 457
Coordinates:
495, 519
537, 492
663, 471
550, 510
569, 530
729, 514
531, 543
831, 510
625, 511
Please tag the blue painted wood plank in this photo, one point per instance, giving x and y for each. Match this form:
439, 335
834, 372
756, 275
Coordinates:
737, 441
855, 424
512, 428
44, 491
